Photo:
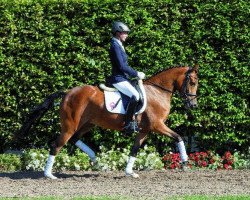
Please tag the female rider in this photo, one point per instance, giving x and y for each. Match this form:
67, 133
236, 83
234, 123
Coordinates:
122, 72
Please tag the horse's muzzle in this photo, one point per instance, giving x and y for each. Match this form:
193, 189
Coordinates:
191, 104
195, 105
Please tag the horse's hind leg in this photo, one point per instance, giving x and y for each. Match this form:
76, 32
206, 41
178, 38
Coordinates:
54, 150
72, 137
85, 148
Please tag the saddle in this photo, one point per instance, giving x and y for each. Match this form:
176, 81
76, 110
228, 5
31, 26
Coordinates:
117, 102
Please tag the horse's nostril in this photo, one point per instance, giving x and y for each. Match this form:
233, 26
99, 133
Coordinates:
194, 106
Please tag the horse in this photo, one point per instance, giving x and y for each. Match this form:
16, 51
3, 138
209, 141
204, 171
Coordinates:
83, 107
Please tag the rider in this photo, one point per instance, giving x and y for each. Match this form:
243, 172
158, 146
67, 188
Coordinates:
121, 72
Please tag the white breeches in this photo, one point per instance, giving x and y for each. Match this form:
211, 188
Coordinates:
126, 88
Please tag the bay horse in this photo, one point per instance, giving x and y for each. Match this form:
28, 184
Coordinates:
83, 107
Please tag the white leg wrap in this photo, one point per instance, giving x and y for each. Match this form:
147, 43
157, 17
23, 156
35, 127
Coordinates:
129, 167
130, 164
86, 149
182, 151
48, 167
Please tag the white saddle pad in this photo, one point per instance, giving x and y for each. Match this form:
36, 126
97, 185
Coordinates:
111, 99
114, 103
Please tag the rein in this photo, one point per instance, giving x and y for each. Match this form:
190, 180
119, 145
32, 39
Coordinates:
163, 88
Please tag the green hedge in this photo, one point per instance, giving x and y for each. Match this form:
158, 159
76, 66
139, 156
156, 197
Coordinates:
49, 45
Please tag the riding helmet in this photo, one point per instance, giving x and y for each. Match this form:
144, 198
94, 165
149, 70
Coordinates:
119, 27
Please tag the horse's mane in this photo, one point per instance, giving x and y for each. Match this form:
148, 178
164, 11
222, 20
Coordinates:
163, 70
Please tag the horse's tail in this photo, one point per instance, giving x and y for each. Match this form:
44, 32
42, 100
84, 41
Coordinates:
37, 114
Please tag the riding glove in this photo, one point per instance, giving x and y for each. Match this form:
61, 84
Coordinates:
140, 75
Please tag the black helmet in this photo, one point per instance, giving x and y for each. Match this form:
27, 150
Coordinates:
120, 27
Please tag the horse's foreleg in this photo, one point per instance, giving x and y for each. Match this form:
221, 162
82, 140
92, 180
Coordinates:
140, 138
163, 129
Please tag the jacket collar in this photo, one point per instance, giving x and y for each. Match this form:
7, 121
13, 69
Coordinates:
119, 42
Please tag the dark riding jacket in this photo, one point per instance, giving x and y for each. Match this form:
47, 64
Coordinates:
121, 71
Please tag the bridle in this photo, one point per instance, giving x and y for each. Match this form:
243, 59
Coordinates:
184, 89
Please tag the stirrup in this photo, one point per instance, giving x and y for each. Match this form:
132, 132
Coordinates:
132, 127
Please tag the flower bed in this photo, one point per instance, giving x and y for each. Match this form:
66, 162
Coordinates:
116, 159
208, 160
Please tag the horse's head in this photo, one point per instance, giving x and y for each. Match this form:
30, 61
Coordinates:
188, 85
183, 79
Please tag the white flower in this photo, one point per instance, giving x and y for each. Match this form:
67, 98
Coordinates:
28, 167
77, 167
41, 155
105, 167
142, 154
36, 163
33, 154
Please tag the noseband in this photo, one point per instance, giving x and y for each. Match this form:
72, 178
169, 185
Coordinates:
184, 89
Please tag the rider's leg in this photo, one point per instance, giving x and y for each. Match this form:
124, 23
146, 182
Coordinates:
129, 115
126, 88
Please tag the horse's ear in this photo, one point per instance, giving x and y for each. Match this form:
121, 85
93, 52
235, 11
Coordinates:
195, 68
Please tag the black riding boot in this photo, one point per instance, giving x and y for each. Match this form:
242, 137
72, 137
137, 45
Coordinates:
131, 125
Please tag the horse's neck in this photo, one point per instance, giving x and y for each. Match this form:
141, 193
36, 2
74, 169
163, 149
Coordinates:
163, 85
166, 84
167, 79
157, 99
160, 89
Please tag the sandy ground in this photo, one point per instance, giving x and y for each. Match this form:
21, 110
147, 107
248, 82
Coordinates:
150, 185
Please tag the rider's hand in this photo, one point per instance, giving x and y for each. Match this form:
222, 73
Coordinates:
140, 75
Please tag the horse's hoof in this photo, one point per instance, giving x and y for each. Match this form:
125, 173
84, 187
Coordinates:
95, 166
50, 176
133, 174
185, 168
